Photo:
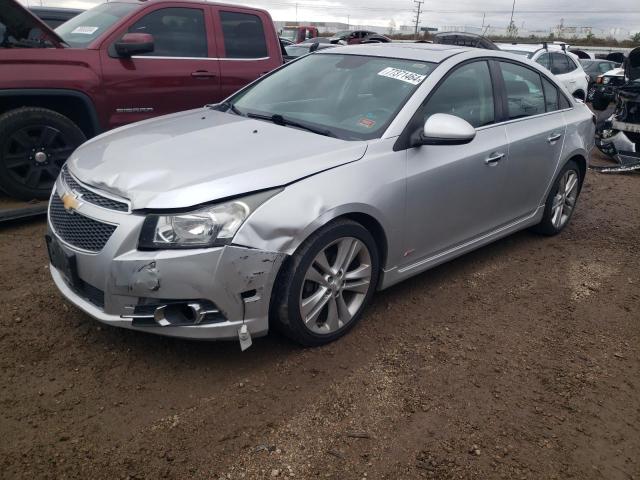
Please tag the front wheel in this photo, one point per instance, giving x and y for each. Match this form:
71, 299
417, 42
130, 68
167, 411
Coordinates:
561, 201
327, 283
34, 144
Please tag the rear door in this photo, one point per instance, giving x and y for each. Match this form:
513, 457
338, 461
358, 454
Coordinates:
244, 48
535, 129
178, 75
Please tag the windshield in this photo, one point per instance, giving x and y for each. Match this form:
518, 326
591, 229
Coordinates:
80, 31
343, 33
351, 97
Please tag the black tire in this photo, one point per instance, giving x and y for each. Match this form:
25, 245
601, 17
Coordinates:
28, 131
285, 306
599, 103
546, 226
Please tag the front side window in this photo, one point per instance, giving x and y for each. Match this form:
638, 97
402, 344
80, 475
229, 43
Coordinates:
524, 91
352, 97
466, 93
177, 32
243, 35
83, 29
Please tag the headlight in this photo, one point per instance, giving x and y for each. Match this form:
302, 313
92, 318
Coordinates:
206, 227
606, 80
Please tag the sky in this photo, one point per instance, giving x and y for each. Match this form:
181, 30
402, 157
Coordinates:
623, 15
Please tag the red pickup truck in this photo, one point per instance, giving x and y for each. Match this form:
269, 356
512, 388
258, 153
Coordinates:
117, 63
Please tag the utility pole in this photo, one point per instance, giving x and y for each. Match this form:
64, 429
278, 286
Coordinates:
512, 10
417, 12
296, 14
348, 24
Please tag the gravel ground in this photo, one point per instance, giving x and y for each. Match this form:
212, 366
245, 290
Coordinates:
520, 360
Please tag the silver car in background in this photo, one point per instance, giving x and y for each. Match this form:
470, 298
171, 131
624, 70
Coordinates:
341, 173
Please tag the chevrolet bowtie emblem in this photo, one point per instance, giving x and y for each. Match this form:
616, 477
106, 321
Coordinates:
70, 202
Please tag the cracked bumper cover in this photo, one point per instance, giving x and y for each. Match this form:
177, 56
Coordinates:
220, 275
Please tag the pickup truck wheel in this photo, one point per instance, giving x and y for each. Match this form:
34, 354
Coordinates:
326, 284
34, 144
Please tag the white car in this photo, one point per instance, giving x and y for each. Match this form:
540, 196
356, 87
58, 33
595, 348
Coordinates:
564, 65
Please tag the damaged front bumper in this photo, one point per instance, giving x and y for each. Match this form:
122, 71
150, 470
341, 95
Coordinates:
212, 293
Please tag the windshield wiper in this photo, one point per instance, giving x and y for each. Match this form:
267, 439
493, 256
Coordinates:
227, 106
280, 120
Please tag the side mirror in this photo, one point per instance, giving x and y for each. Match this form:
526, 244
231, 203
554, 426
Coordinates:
134, 44
444, 129
314, 46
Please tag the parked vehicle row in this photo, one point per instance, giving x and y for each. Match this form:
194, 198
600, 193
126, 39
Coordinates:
117, 63
554, 57
295, 199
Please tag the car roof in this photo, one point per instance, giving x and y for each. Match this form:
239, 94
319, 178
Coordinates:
530, 47
426, 52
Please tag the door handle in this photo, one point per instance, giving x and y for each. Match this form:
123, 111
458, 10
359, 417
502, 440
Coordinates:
202, 74
554, 137
494, 159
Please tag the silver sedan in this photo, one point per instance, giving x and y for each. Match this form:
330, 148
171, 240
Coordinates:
292, 202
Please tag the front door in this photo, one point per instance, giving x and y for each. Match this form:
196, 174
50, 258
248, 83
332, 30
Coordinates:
455, 192
178, 75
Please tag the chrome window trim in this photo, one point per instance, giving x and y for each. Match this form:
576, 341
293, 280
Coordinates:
151, 57
515, 120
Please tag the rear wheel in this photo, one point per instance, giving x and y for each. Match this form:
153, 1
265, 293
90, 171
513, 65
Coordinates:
327, 283
561, 201
34, 144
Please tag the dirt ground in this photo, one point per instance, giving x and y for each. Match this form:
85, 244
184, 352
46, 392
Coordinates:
520, 360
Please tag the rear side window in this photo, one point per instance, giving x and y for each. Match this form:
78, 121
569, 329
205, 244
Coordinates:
545, 61
560, 64
243, 35
550, 95
177, 32
524, 91
466, 93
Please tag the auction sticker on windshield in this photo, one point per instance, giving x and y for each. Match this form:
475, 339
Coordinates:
85, 30
403, 75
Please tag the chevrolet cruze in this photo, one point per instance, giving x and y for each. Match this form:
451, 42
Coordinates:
293, 201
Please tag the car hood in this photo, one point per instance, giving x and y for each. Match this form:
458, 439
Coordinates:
19, 21
202, 155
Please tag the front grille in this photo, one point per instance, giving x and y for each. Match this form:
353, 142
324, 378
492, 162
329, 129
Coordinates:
90, 196
77, 230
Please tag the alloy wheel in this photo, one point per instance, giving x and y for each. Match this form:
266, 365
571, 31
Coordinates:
335, 285
565, 199
33, 155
